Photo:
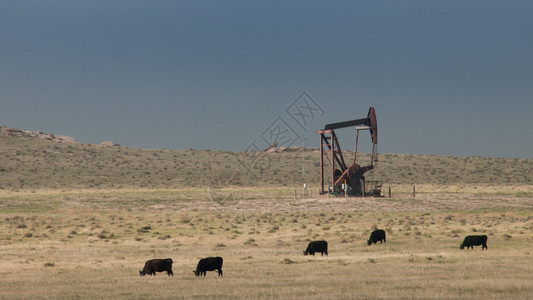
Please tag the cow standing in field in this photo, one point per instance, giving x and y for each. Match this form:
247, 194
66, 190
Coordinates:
209, 264
377, 235
474, 240
317, 246
157, 265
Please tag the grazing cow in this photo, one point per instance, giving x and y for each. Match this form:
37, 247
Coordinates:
317, 246
474, 240
377, 235
209, 264
157, 265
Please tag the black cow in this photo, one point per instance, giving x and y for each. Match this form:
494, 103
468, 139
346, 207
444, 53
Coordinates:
377, 236
474, 240
209, 264
317, 246
157, 265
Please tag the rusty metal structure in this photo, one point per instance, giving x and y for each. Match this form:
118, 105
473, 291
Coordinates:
346, 178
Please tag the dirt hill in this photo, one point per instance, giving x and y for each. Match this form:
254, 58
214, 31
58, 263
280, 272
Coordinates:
32, 161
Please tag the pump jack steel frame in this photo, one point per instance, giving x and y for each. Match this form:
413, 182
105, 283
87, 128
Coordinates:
352, 174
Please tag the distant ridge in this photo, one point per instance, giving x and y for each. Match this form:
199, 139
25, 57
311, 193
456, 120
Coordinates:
33, 160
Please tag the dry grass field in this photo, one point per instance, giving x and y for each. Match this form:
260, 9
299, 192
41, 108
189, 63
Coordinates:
91, 244
79, 221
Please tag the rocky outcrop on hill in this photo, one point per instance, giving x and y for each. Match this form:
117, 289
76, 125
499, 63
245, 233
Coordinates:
108, 143
273, 149
36, 134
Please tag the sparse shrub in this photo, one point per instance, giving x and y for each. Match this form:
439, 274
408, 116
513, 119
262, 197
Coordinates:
274, 229
144, 229
288, 261
250, 242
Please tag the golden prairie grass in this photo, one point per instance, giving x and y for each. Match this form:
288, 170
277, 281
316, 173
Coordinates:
476, 189
90, 244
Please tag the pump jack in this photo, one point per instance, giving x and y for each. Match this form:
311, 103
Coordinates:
343, 176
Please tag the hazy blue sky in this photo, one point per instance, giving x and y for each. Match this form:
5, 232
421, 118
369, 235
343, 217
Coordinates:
445, 77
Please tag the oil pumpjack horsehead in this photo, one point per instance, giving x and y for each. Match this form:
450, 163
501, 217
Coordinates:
340, 172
